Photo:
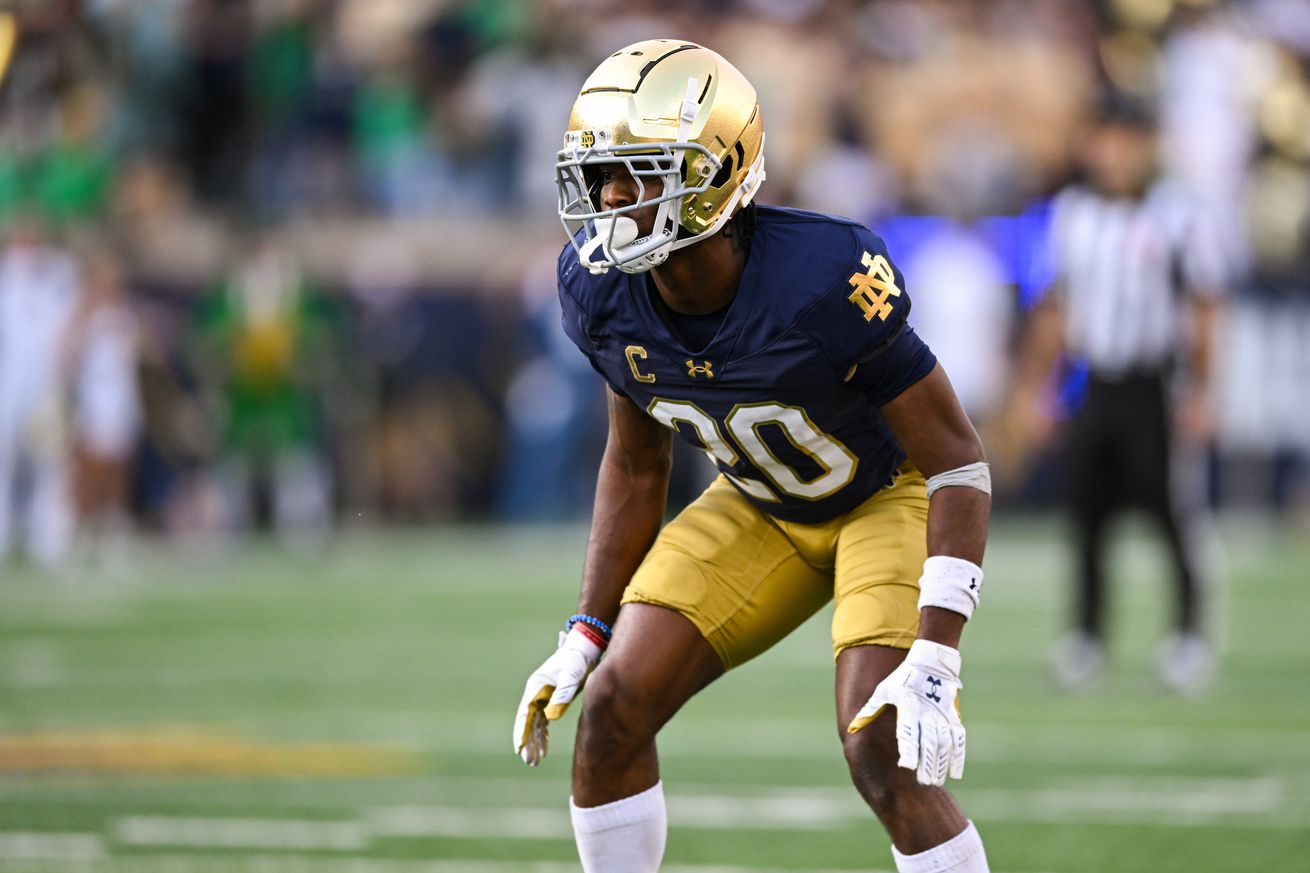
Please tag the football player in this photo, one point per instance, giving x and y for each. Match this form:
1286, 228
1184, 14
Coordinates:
776, 341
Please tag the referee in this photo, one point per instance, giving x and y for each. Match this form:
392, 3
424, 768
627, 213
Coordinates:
1135, 302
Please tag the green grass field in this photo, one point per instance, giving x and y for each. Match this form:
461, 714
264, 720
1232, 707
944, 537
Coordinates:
350, 711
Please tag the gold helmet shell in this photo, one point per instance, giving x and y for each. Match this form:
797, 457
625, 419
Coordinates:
669, 109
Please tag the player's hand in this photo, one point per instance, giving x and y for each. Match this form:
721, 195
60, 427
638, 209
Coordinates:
549, 692
924, 689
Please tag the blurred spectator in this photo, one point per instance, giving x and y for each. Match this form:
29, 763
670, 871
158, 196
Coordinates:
1208, 134
978, 77
964, 299
264, 340
1135, 301
553, 407
964, 307
423, 428
1263, 416
512, 108
40, 292
106, 408
172, 492
215, 112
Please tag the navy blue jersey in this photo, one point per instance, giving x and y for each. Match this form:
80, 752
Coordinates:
785, 397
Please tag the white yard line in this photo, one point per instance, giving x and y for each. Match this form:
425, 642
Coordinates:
456, 805
518, 823
240, 833
776, 811
51, 846
1262, 803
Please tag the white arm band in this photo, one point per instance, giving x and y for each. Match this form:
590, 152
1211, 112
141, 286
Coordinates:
977, 476
950, 583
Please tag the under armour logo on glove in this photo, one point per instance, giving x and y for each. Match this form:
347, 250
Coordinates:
936, 685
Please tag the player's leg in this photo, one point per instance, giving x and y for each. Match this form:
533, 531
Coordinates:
720, 585
1078, 658
656, 662
1153, 469
880, 554
926, 825
1185, 662
51, 517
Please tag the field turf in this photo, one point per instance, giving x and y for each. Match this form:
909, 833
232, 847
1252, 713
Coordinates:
349, 711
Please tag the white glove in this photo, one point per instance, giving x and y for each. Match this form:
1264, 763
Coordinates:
549, 692
924, 689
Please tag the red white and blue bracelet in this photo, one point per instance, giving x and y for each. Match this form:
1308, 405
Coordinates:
592, 628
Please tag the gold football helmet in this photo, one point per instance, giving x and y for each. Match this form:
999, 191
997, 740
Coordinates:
665, 109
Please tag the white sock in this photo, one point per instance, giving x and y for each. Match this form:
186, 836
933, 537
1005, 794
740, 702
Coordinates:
626, 836
962, 853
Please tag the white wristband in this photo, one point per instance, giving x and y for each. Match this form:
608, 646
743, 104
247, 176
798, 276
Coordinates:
950, 583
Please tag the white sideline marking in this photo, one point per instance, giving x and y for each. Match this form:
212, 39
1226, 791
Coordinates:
61, 846
291, 863
244, 833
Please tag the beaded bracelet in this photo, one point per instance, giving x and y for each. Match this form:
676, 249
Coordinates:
599, 625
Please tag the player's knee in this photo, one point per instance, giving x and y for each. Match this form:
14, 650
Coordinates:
873, 770
614, 710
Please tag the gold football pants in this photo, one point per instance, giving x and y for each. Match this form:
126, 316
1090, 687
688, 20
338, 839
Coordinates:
746, 579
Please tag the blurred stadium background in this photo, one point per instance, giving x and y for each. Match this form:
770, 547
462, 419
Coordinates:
297, 461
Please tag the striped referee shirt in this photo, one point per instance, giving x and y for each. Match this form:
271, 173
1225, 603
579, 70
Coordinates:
1123, 270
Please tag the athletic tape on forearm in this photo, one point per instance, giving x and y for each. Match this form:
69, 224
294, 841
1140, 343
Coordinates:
977, 476
950, 583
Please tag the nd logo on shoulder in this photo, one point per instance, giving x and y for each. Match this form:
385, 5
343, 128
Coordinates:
874, 287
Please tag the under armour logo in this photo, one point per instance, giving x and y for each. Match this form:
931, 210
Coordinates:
704, 368
873, 288
935, 685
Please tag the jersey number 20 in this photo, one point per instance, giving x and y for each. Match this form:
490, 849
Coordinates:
743, 424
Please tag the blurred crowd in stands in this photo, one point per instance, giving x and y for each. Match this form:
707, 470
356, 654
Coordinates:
290, 263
